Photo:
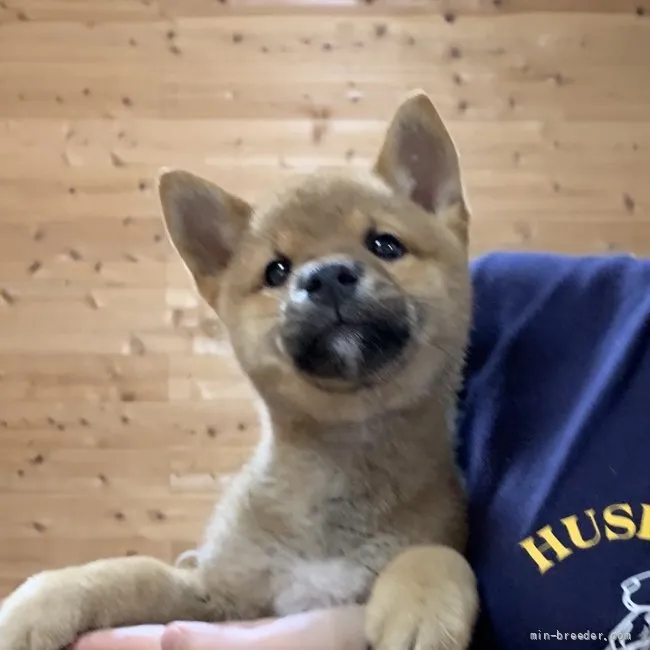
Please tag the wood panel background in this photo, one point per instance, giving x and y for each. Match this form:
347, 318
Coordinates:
121, 413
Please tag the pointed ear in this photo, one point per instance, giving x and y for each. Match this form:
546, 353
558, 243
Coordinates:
419, 160
204, 222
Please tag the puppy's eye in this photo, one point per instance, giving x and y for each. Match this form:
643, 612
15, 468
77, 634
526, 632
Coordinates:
385, 246
277, 272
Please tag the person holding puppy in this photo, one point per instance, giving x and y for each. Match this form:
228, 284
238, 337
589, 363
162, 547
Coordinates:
553, 442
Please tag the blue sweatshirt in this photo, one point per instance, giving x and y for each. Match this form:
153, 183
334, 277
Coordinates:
554, 443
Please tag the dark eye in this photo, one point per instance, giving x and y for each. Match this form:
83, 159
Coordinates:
385, 246
277, 272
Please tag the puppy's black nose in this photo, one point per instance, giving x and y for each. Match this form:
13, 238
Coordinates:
330, 283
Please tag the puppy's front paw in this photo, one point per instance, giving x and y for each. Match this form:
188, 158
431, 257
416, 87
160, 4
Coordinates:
44, 613
426, 599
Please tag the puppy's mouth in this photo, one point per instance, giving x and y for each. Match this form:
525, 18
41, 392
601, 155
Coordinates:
355, 351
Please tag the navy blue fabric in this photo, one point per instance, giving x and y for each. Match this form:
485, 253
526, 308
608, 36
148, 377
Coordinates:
554, 431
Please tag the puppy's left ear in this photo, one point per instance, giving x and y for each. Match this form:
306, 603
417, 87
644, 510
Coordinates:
418, 159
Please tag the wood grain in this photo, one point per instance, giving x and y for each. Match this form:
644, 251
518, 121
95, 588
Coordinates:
122, 413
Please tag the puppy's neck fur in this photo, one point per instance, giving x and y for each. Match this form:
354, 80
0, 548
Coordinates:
422, 423
382, 461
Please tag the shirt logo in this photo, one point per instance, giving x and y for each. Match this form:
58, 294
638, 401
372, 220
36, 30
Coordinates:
549, 546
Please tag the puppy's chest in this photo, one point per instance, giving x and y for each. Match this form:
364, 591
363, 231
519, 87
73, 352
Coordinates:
320, 568
302, 584
289, 564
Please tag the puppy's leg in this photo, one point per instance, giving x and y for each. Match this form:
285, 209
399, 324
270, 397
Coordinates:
52, 609
425, 599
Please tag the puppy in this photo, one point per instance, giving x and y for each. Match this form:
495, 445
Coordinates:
346, 298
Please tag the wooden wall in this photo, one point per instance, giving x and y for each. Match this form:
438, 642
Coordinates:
121, 413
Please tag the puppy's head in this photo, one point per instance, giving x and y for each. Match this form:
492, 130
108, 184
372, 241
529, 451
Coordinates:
344, 294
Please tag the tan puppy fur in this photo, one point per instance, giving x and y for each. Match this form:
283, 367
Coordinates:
354, 339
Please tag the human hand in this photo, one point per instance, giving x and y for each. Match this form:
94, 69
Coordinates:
332, 629
142, 637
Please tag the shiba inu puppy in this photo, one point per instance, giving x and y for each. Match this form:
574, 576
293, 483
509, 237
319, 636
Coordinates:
346, 298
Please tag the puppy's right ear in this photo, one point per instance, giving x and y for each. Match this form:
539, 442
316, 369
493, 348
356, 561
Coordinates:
203, 222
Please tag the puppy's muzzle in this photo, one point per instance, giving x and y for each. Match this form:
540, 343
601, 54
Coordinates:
336, 327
